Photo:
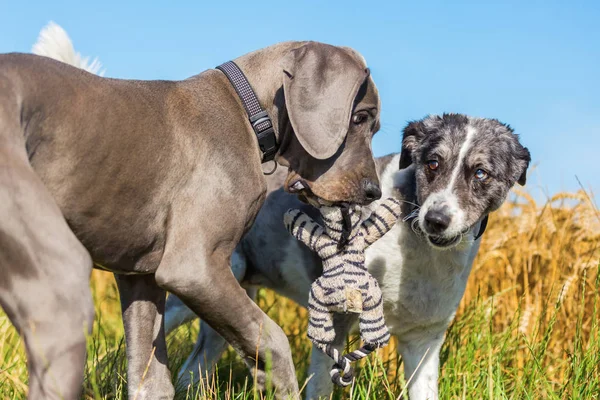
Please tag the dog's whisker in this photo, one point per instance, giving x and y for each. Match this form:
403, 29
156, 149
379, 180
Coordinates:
410, 202
414, 225
413, 215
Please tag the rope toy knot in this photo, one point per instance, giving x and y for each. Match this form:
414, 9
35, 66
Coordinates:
342, 376
342, 372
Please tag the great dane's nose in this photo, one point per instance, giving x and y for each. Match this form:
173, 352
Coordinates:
436, 222
372, 190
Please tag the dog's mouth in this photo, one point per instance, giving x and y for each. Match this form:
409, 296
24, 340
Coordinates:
443, 243
437, 242
301, 188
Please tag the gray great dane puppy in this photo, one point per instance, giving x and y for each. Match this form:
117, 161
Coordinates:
157, 181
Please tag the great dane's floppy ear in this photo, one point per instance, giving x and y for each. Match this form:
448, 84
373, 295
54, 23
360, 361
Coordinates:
320, 83
413, 133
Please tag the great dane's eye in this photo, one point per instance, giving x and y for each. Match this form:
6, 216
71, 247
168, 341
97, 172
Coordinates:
359, 118
481, 175
433, 164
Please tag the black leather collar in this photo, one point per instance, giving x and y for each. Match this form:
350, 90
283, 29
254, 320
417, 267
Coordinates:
259, 119
482, 227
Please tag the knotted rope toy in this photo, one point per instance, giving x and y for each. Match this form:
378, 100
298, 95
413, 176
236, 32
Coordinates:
346, 285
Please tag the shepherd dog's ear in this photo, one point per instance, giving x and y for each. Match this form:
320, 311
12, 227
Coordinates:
523, 159
412, 135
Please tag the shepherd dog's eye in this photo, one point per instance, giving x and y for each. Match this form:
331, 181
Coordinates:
359, 118
481, 175
433, 164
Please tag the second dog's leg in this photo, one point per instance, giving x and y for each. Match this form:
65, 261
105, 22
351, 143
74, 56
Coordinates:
421, 358
207, 350
320, 385
143, 304
176, 314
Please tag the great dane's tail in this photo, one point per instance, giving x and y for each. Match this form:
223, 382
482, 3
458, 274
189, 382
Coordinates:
54, 42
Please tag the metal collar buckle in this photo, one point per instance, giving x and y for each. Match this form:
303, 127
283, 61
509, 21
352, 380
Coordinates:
259, 119
263, 128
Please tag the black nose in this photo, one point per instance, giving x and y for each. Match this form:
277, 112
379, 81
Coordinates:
372, 191
436, 222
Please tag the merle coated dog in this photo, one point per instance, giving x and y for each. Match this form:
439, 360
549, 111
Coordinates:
453, 171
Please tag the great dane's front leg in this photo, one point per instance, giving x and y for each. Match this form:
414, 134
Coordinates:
143, 306
204, 227
209, 288
207, 350
209, 345
177, 313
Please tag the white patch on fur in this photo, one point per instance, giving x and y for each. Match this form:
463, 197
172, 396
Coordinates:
462, 154
54, 42
447, 197
400, 178
386, 180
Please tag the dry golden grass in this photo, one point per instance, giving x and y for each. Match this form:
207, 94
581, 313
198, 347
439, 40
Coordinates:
531, 263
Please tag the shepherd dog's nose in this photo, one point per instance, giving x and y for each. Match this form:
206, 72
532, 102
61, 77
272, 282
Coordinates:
436, 222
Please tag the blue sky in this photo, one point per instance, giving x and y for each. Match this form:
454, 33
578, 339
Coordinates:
533, 64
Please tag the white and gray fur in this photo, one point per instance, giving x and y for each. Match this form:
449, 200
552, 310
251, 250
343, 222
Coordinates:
422, 276
452, 198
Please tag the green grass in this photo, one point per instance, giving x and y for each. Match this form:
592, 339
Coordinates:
478, 360
527, 328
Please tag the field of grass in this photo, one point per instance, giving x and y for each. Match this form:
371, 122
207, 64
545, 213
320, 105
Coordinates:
527, 328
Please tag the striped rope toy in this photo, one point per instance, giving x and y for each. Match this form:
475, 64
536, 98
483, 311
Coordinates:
345, 286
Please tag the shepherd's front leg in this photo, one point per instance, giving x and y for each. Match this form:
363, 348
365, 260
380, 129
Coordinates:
421, 356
